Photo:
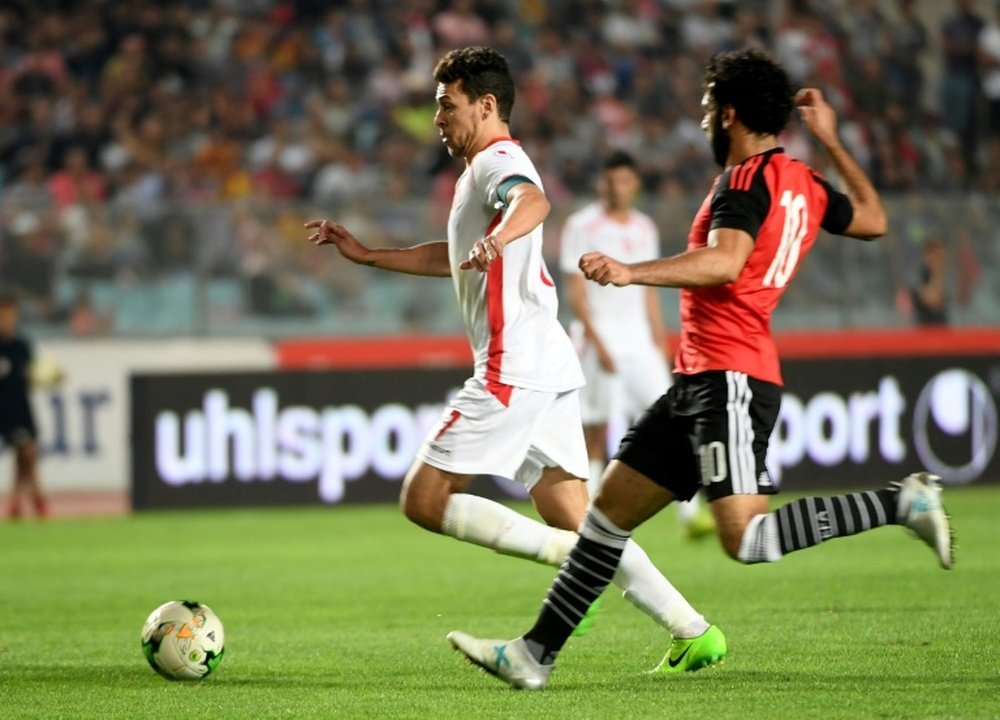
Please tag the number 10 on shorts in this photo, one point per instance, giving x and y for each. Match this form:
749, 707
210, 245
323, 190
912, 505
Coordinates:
713, 462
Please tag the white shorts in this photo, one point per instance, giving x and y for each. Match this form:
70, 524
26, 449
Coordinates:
641, 377
479, 435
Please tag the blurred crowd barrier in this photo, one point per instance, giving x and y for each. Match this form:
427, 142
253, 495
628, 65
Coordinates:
246, 269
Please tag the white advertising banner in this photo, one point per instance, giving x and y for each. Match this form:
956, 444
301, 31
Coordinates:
83, 423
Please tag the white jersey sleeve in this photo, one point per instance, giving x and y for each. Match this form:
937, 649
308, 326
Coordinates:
495, 165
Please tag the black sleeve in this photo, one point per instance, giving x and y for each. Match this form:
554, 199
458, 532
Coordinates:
839, 211
741, 209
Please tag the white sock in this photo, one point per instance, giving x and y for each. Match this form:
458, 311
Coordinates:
483, 522
688, 509
594, 482
760, 540
645, 587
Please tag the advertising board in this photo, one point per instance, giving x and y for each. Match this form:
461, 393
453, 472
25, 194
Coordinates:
281, 438
83, 423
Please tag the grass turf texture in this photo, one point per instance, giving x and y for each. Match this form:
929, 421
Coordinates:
343, 612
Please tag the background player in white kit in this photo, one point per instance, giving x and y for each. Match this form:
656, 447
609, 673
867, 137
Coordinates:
618, 331
519, 415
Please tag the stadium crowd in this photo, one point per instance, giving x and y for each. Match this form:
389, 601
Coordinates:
121, 118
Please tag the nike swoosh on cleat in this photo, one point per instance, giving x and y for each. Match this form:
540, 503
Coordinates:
674, 663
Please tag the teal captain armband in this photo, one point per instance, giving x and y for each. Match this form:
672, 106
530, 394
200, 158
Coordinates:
506, 186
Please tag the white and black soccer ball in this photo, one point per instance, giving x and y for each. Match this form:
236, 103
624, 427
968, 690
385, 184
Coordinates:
183, 640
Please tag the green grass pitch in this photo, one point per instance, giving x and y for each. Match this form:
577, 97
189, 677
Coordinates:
342, 613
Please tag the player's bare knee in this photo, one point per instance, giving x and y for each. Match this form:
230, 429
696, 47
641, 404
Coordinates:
421, 509
731, 537
563, 517
731, 544
424, 503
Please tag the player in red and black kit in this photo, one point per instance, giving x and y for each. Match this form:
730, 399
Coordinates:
711, 429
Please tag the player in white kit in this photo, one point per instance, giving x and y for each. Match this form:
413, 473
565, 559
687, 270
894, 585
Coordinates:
618, 331
518, 415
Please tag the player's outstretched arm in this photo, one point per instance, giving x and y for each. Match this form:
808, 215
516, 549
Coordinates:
527, 208
430, 259
717, 264
869, 221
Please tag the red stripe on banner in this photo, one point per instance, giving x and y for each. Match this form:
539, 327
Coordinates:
374, 352
414, 351
923, 342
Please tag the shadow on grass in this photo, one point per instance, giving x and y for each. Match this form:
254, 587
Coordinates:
136, 675
722, 679
132, 675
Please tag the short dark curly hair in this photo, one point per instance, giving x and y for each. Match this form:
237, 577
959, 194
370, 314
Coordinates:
482, 71
757, 87
619, 159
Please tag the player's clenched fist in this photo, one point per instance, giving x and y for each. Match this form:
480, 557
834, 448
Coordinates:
604, 270
817, 114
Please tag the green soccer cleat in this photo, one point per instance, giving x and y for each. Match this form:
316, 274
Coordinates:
690, 654
589, 619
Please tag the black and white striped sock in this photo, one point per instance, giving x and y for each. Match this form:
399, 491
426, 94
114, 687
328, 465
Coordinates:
813, 520
584, 575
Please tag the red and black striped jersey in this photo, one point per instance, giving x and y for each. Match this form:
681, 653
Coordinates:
782, 204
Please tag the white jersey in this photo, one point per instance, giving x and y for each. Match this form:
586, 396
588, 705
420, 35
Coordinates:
619, 314
510, 310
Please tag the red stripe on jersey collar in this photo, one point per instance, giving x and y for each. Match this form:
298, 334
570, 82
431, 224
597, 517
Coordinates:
502, 138
494, 141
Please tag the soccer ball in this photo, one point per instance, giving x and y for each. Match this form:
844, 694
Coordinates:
183, 640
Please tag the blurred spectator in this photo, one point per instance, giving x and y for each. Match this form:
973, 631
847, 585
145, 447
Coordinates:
84, 319
27, 190
907, 41
459, 26
120, 115
867, 30
705, 30
631, 24
960, 78
77, 183
127, 72
748, 31
989, 61
928, 295
28, 266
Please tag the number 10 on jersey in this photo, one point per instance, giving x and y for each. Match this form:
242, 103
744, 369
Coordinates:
794, 232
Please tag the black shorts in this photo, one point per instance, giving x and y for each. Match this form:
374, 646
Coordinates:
17, 427
708, 431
